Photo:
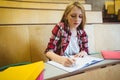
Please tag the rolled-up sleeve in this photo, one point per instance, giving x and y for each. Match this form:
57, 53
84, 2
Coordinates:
54, 39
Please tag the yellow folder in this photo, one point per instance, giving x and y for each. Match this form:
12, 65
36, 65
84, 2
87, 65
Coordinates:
24, 72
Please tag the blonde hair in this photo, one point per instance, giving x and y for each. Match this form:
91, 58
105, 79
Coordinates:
69, 8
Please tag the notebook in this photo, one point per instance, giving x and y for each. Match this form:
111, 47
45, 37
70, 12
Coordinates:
80, 63
107, 54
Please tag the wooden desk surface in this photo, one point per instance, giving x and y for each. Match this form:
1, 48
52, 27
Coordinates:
53, 73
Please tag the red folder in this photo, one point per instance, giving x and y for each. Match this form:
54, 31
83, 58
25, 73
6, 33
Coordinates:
111, 54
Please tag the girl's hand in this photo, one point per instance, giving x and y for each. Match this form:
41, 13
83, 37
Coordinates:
81, 54
68, 62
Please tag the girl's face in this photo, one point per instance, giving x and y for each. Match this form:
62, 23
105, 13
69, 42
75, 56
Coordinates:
74, 17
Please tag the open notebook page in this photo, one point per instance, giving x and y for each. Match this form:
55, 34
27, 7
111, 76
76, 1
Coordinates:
80, 63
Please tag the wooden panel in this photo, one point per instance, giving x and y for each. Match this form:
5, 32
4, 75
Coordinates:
108, 73
20, 16
57, 1
103, 37
23, 16
14, 45
107, 37
39, 37
39, 5
32, 5
91, 38
87, 6
94, 17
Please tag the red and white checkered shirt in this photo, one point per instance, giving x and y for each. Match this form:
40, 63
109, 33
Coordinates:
61, 37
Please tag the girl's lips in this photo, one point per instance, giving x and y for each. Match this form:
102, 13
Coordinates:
76, 23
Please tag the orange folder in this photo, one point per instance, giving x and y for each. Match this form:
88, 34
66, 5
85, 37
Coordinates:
107, 54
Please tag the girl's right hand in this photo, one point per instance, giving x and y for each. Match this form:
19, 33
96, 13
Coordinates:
68, 62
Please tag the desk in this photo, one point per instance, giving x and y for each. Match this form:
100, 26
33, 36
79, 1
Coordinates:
54, 73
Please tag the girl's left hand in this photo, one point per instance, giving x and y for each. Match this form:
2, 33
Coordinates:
81, 54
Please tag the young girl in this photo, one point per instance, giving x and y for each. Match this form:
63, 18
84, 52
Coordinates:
68, 36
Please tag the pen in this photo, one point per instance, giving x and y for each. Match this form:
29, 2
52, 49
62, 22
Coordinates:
67, 55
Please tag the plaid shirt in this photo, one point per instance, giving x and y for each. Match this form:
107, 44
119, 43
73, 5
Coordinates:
61, 37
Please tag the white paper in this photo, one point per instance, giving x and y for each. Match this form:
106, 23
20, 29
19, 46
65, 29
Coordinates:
80, 63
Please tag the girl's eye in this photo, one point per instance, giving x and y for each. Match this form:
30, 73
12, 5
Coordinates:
80, 16
73, 16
